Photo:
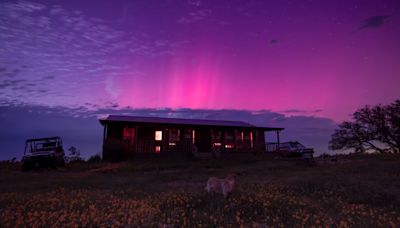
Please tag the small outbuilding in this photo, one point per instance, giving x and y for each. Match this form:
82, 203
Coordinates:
125, 137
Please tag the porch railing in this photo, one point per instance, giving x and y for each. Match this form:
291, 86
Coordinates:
272, 147
128, 148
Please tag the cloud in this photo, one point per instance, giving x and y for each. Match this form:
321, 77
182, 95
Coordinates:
45, 41
195, 16
48, 77
274, 41
374, 22
11, 83
301, 111
195, 2
8, 72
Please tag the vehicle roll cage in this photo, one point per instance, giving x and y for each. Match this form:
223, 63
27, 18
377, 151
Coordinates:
51, 142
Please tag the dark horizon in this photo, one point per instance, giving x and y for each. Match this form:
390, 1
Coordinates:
83, 130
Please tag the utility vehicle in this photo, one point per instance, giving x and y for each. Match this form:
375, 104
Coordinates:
43, 153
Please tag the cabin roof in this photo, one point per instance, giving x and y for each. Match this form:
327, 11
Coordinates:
176, 121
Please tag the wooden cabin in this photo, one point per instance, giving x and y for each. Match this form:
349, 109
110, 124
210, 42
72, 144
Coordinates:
125, 137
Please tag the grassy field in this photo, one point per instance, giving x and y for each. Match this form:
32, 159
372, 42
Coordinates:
362, 191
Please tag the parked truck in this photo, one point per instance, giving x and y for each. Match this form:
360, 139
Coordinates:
291, 149
43, 153
295, 148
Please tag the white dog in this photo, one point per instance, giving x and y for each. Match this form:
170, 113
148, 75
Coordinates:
224, 186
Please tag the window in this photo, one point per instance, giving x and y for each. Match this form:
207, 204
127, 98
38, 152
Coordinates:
215, 135
189, 135
251, 140
217, 144
158, 136
158, 149
216, 138
174, 135
129, 133
247, 136
229, 138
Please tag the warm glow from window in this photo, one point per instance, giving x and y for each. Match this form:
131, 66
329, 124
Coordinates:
229, 146
158, 136
158, 149
251, 139
242, 136
172, 144
193, 137
217, 144
128, 133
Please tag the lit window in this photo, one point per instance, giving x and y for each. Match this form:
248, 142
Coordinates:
251, 140
217, 144
229, 146
193, 137
242, 136
128, 133
158, 136
158, 149
172, 144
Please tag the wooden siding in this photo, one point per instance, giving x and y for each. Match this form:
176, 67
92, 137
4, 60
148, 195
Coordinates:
208, 142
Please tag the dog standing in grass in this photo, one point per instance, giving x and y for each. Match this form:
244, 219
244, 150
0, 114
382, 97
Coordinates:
224, 186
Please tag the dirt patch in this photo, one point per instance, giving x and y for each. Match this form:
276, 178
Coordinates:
112, 167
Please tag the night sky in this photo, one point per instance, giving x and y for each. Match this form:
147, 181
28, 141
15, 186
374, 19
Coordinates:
303, 65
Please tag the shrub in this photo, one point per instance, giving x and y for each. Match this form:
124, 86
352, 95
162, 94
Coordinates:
94, 159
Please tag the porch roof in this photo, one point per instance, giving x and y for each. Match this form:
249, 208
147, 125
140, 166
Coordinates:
186, 122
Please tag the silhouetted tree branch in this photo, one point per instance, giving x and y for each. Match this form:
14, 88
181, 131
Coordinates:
374, 128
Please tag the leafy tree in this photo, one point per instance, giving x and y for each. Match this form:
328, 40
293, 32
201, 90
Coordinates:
74, 152
94, 159
74, 155
373, 128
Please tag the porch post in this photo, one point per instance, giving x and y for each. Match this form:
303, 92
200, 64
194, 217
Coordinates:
278, 141
104, 132
135, 134
223, 140
234, 140
135, 138
165, 140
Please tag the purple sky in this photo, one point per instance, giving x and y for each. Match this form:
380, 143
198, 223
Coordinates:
298, 59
